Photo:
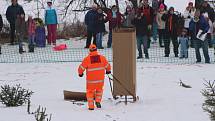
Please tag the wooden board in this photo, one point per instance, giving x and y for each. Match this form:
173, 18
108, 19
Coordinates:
77, 96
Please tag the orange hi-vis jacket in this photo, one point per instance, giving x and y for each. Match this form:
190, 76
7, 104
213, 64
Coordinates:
95, 66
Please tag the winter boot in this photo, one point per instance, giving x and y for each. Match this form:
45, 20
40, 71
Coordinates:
31, 48
91, 108
21, 50
98, 105
147, 56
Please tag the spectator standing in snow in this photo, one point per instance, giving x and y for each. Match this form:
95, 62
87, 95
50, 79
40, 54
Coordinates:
100, 28
199, 23
183, 42
155, 7
20, 27
149, 14
11, 15
210, 31
51, 22
115, 19
140, 23
171, 28
1, 26
161, 25
31, 33
90, 21
188, 15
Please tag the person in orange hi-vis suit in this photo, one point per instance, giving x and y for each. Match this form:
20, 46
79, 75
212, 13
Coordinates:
95, 66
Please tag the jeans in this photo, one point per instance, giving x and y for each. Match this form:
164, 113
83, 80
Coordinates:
99, 37
142, 40
204, 45
109, 43
31, 39
155, 31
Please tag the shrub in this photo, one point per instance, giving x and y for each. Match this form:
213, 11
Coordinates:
14, 96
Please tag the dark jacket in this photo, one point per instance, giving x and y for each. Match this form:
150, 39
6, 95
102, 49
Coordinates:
1, 23
210, 12
100, 27
90, 20
141, 26
202, 24
171, 27
12, 12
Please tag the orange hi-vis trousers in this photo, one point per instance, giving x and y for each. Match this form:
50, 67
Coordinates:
94, 92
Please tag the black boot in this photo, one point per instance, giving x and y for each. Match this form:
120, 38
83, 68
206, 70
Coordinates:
31, 48
0, 49
98, 105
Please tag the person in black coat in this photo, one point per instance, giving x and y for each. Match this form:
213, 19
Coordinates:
171, 20
100, 28
90, 21
1, 26
206, 8
11, 14
141, 26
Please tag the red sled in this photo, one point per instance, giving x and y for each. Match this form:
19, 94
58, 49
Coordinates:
60, 47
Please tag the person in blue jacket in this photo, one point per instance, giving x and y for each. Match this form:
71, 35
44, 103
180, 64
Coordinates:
91, 23
196, 24
51, 22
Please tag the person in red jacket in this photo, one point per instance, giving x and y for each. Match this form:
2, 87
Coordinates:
95, 66
115, 19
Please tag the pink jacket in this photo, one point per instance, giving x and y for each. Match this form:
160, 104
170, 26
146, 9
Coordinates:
31, 27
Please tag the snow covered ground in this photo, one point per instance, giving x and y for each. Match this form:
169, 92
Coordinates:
161, 97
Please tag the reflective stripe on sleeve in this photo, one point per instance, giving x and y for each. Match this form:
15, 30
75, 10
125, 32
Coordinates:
82, 67
107, 66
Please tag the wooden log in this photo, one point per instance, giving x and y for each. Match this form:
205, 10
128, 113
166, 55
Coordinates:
77, 96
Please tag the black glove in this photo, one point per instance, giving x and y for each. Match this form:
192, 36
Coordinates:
81, 75
108, 72
188, 17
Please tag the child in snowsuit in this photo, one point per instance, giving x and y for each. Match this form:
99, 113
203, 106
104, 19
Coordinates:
20, 28
31, 33
183, 42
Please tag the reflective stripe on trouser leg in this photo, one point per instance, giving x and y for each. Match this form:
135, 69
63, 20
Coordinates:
90, 98
99, 94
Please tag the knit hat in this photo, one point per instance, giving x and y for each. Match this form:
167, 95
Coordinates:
162, 6
49, 1
171, 8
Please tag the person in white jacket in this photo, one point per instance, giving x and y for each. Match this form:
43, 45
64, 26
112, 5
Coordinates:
188, 15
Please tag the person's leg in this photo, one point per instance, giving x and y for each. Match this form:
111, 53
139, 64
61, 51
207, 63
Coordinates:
20, 39
109, 43
98, 95
197, 46
145, 38
89, 37
49, 28
12, 33
98, 40
139, 43
90, 98
166, 44
175, 45
54, 33
209, 39
94, 39
205, 51
155, 31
